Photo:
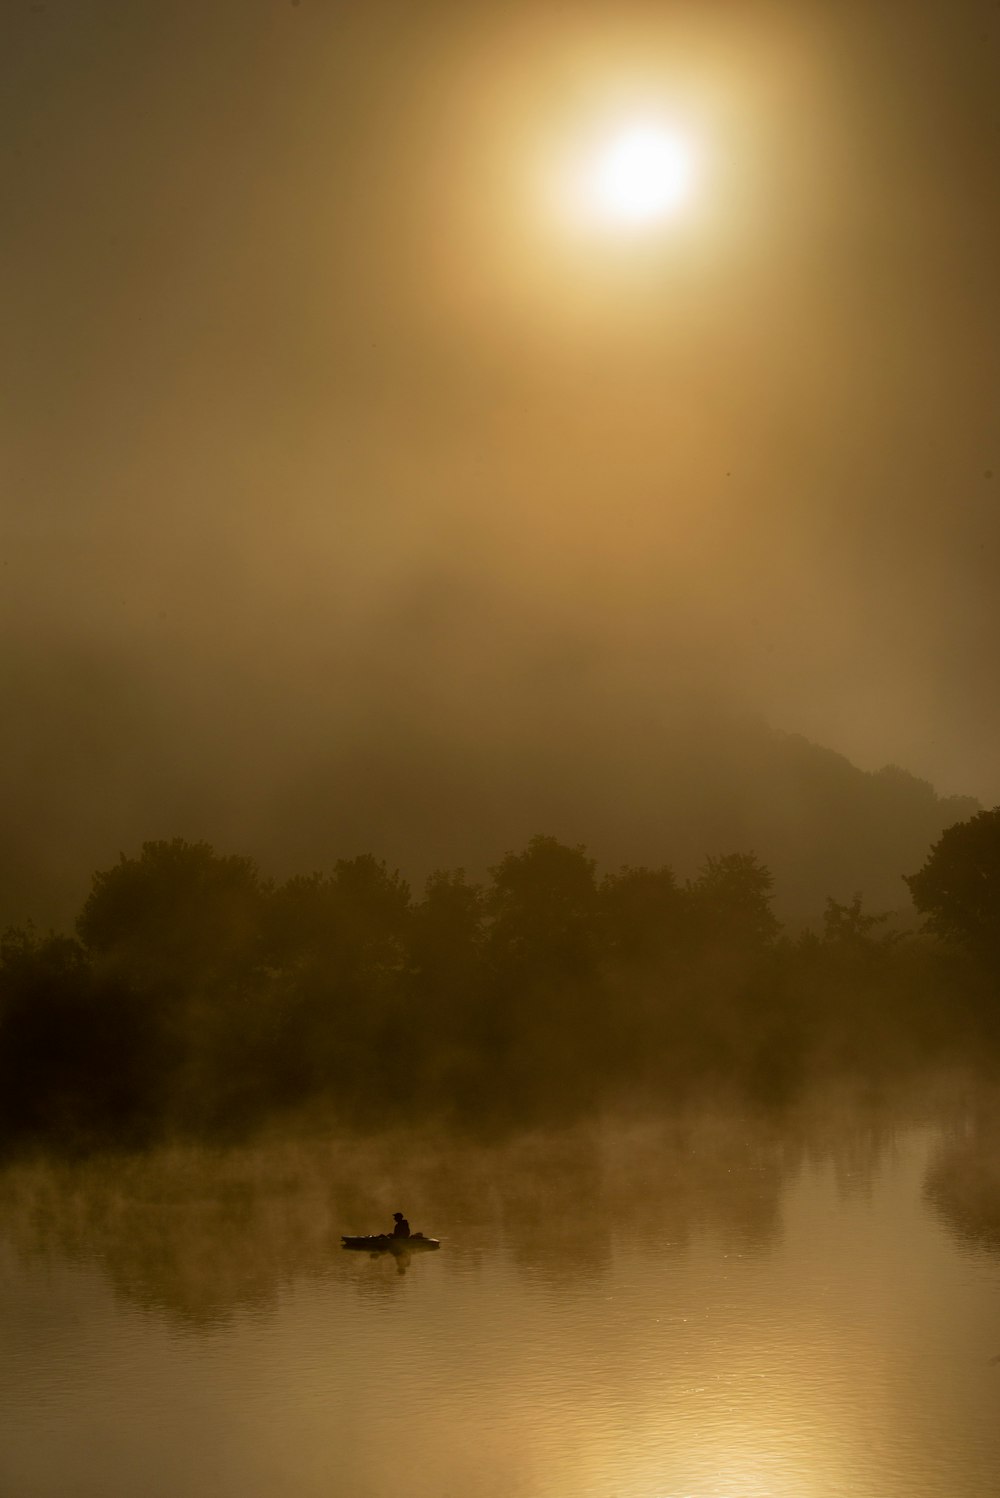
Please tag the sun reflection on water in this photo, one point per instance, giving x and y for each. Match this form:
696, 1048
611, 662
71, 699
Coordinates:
733, 1318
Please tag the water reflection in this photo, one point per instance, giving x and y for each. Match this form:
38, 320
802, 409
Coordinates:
201, 1235
963, 1181
720, 1303
193, 1235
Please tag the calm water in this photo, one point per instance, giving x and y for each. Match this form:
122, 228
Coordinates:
711, 1305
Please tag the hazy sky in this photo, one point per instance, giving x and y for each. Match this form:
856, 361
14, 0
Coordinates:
316, 406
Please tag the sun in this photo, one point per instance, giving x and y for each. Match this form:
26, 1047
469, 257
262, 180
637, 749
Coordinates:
623, 175
641, 174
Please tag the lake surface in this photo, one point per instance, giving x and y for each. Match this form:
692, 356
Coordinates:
717, 1304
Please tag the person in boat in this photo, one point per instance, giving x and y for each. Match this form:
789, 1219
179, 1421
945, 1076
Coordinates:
402, 1228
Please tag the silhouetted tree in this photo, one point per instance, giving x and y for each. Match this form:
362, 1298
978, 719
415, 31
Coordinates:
429, 1039
542, 1014
731, 902
80, 1059
644, 916
336, 948
181, 926
200, 996
351, 922
852, 928
543, 907
446, 935
958, 888
178, 918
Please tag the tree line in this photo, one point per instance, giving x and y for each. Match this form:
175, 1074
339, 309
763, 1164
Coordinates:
198, 996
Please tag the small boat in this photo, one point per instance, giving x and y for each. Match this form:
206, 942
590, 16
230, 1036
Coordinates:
388, 1243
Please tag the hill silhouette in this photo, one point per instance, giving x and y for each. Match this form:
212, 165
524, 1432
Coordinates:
97, 761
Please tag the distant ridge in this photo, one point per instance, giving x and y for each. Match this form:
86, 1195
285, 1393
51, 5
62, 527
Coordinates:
99, 768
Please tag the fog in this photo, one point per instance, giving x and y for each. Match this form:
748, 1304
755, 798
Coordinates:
499, 725
679, 1300
200, 1235
353, 502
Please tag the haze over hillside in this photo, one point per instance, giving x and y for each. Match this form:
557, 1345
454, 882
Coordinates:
355, 499
101, 758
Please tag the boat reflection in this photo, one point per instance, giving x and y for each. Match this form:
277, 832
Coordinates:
398, 1247
202, 1236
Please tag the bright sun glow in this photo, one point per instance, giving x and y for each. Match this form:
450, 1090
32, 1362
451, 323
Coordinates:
641, 174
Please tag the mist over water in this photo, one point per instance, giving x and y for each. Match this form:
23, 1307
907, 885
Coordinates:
712, 1300
496, 727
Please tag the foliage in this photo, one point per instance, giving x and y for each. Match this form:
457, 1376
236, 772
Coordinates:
644, 916
731, 900
78, 1057
958, 888
542, 907
351, 922
199, 997
852, 927
176, 916
446, 934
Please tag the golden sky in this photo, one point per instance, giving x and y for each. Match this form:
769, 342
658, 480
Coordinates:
317, 401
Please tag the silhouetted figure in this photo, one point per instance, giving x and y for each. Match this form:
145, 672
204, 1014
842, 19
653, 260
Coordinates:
402, 1228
